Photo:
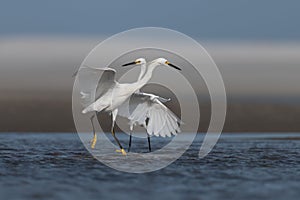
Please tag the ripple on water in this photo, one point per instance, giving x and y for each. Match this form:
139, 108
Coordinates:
57, 166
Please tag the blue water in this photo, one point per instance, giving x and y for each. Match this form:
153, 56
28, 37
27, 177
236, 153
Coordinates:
241, 166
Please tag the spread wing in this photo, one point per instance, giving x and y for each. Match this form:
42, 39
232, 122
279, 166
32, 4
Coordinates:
94, 82
148, 110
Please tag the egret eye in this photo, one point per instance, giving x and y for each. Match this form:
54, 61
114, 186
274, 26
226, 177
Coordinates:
138, 62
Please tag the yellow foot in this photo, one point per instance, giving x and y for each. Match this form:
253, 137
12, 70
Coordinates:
94, 140
122, 151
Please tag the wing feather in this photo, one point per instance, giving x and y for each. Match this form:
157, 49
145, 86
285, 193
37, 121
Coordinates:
162, 121
94, 82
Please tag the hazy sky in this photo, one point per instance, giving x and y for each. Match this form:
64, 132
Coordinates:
42, 42
230, 19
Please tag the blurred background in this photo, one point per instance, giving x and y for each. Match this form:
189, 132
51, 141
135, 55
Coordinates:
255, 44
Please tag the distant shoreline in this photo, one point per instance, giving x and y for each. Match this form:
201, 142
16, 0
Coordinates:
55, 115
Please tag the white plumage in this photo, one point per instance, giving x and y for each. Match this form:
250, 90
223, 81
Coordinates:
149, 111
126, 100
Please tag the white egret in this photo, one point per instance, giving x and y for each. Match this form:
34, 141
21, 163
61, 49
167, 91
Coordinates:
138, 120
148, 111
86, 95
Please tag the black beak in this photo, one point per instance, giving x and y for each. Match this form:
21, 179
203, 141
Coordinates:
170, 64
131, 63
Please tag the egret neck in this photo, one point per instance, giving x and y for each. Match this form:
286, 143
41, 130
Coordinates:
146, 77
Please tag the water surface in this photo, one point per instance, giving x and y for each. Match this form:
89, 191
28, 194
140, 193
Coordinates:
241, 166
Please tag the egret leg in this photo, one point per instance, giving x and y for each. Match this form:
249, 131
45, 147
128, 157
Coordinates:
94, 140
121, 150
148, 136
130, 138
114, 115
149, 144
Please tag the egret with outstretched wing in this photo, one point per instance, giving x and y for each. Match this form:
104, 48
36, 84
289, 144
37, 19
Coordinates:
148, 111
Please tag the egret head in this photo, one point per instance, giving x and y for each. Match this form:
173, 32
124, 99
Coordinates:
165, 62
139, 61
